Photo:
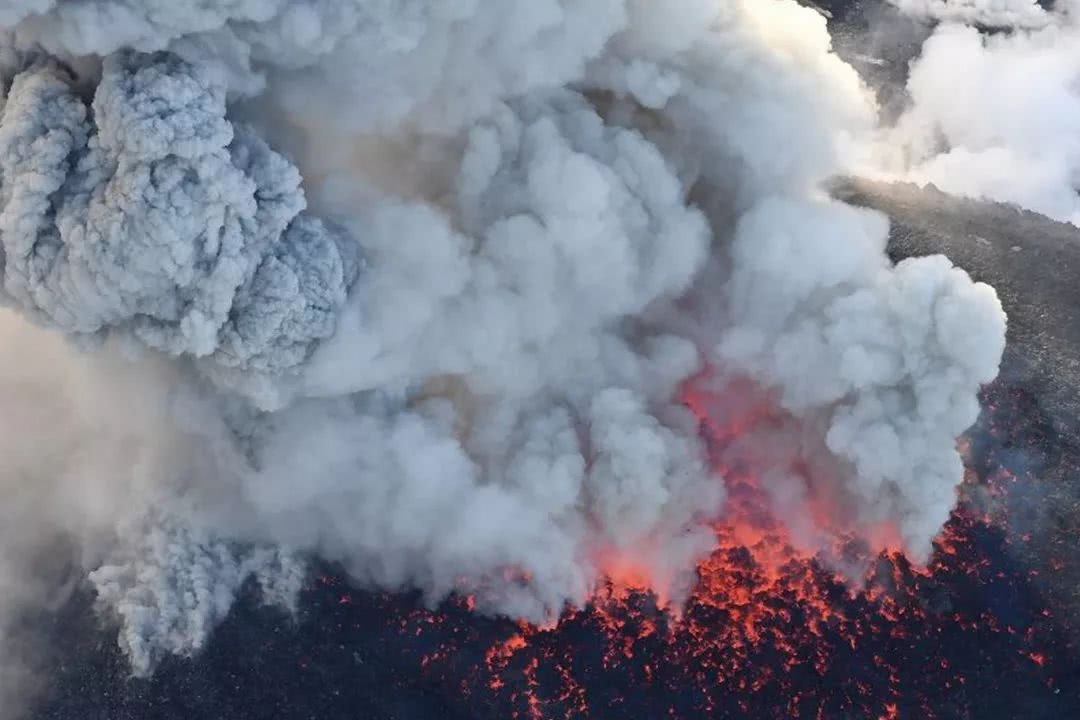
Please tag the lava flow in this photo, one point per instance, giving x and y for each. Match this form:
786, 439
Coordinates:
772, 630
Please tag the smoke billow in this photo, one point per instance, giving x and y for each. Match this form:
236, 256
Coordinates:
994, 116
988, 13
149, 214
531, 223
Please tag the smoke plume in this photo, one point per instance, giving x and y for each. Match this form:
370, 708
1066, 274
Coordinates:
416, 287
995, 115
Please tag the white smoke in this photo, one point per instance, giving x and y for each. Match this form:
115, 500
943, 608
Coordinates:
992, 13
540, 219
995, 116
889, 358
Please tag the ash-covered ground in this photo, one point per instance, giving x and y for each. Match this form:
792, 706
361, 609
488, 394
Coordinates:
989, 630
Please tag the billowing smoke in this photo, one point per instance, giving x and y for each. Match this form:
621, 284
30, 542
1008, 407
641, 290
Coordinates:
889, 357
150, 214
988, 13
531, 224
995, 115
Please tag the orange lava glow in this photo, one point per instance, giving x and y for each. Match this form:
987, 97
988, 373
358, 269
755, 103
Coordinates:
763, 608
772, 628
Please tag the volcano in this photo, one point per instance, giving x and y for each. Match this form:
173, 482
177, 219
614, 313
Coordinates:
539, 359
986, 630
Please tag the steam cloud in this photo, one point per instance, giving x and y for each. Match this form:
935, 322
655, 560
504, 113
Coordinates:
531, 223
998, 116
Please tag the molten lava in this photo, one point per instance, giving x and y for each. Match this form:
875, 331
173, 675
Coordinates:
773, 629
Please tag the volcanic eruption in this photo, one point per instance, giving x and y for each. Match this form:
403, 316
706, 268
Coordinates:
528, 330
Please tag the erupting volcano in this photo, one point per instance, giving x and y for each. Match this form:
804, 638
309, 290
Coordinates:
769, 621
771, 628
539, 359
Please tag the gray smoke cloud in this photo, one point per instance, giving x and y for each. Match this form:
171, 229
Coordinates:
460, 370
148, 213
888, 358
994, 116
170, 586
992, 13
357, 66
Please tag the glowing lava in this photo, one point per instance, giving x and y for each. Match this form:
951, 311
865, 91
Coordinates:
771, 631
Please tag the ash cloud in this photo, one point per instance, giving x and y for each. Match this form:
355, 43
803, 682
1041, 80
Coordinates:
531, 224
149, 214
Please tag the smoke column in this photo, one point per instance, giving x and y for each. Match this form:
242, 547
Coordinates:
414, 287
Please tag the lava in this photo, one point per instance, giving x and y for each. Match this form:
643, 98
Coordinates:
772, 629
